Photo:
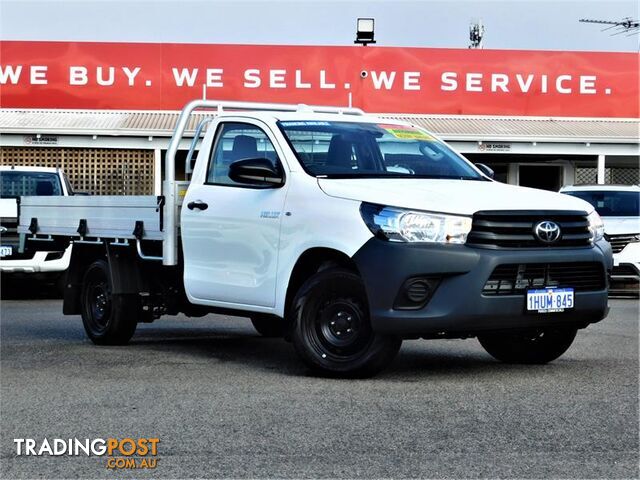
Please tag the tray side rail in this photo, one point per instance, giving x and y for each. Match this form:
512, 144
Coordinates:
87, 218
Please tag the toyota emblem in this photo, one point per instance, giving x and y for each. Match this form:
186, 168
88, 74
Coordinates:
547, 231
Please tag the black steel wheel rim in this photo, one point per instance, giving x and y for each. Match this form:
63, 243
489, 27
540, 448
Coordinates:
341, 329
99, 304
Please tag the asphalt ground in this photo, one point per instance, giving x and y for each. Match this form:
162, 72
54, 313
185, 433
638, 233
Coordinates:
225, 402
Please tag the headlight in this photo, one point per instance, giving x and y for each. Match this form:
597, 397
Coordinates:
596, 227
399, 225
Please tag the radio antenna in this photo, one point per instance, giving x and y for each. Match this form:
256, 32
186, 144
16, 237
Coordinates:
626, 25
476, 34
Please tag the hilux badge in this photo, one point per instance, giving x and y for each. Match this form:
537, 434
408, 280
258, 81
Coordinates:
269, 214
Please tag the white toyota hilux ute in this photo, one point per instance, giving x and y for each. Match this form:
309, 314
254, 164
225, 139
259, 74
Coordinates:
343, 232
16, 181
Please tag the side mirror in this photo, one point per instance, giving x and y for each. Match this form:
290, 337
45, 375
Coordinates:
485, 169
256, 171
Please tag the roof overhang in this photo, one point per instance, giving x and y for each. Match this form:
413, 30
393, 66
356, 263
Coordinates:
461, 128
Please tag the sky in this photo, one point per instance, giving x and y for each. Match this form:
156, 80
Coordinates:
515, 24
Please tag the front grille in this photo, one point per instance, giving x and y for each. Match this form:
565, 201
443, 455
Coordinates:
512, 279
619, 242
498, 229
624, 271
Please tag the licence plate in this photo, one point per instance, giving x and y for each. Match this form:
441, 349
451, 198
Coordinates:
5, 251
550, 300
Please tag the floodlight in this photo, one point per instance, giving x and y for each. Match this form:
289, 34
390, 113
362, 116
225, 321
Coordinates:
365, 31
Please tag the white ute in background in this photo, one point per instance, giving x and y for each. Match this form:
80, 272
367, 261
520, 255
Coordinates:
17, 181
619, 207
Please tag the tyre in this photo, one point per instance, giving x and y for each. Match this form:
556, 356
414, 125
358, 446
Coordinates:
268, 325
107, 319
331, 330
540, 346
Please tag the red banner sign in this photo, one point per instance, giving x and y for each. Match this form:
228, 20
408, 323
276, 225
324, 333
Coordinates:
377, 79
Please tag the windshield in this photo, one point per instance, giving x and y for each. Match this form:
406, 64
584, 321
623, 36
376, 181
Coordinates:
611, 203
15, 184
365, 150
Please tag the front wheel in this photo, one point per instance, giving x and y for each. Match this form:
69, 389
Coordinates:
107, 319
538, 346
331, 328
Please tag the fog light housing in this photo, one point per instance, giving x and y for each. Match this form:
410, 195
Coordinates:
415, 293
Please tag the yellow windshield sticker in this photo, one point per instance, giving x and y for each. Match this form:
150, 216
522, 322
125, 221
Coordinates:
407, 133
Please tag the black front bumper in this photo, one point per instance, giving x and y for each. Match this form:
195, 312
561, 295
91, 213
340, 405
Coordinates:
458, 307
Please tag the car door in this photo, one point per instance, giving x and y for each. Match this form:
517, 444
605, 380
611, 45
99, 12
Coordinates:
230, 230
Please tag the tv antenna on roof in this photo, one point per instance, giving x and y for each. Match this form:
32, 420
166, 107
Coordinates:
476, 34
626, 25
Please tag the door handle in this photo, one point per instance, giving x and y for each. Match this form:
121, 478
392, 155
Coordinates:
199, 205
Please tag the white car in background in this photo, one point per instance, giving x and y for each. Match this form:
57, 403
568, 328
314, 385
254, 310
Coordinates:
619, 207
17, 181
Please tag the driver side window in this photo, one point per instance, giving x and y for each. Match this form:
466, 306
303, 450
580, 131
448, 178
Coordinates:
238, 141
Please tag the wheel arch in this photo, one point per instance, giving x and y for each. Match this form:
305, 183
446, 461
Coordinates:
82, 255
311, 261
123, 266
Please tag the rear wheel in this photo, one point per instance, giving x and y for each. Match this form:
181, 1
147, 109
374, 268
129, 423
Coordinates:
331, 328
107, 319
538, 346
268, 325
